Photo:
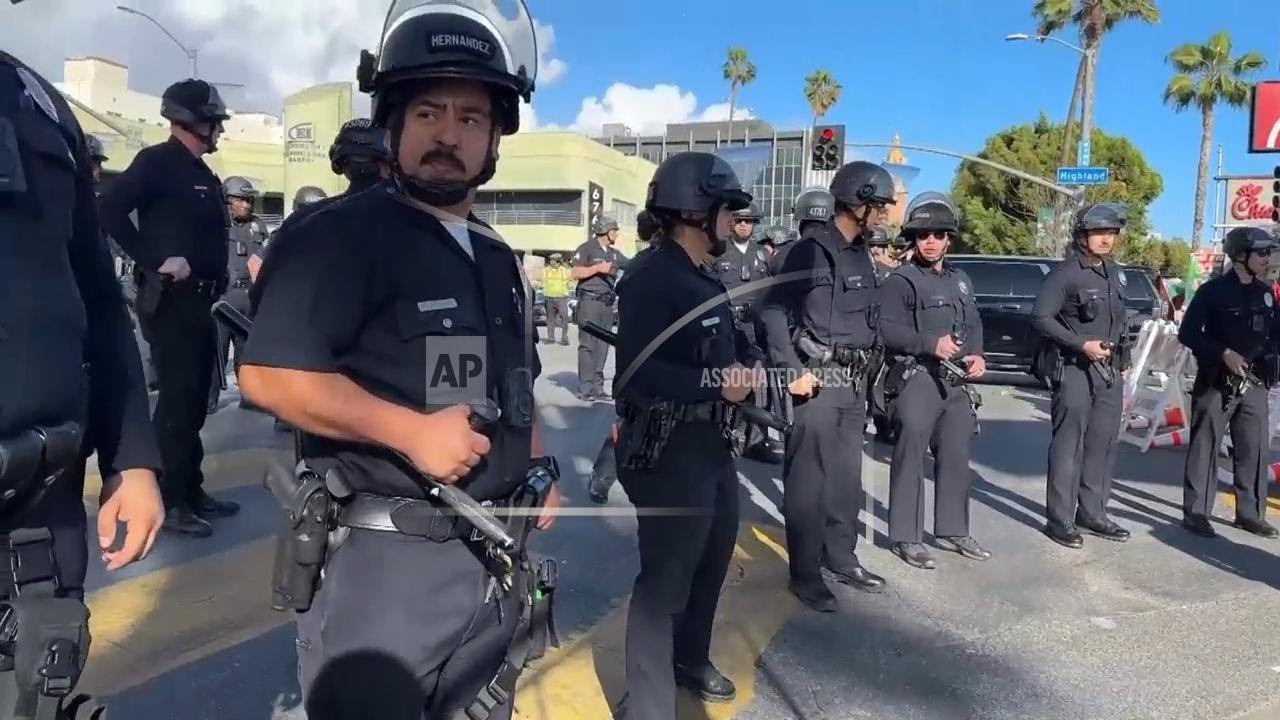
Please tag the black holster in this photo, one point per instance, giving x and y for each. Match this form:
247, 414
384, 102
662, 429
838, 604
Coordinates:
643, 432
150, 287
302, 541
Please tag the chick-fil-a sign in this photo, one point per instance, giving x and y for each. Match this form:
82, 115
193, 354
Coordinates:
1249, 201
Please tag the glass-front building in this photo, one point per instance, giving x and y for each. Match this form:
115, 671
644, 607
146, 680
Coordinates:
778, 183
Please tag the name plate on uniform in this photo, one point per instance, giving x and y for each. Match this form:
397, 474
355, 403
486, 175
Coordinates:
456, 371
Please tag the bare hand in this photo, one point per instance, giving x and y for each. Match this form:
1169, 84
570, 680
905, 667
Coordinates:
445, 447
176, 268
1094, 350
946, 348
547, 517
1234, 362
977, 366
255, 266
803, 385
132, 497
738, 382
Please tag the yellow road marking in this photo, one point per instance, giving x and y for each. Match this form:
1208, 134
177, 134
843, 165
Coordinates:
585, 677
147, 625
1229, 499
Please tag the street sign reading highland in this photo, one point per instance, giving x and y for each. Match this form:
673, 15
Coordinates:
1084, 175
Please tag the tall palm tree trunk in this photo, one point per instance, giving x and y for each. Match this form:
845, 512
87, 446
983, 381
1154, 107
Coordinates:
1202, 175
733, 100
1068, 137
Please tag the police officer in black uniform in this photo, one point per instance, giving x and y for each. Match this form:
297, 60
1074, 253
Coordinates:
360, 154
246, 241
596, 266
97, 156
1080, 312
683, 555
72, 386
742, 267
398, 282
830, 294
180, 250
881, 259
604, 471
1233, 327
928, 314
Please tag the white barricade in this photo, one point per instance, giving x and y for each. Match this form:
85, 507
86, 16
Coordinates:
1155, 399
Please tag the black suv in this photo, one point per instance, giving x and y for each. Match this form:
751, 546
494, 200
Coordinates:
1006, 288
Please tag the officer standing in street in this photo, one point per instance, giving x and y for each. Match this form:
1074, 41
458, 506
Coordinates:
596, 266
246, 239
689, 472
830, 295
556, 279
928, 315
604, 471
180, 250
395, 283
73, 386
1080, 312
745, 263
1232, 326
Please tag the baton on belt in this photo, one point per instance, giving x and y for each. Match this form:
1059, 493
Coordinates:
753, 413
457, 500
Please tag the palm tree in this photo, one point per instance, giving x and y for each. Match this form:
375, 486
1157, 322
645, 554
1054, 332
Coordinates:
822, 91
739, 71
1207, 75
1093, 19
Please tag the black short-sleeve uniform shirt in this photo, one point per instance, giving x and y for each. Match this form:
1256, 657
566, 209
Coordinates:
590, 253
1080, 302
919, 306
372, 288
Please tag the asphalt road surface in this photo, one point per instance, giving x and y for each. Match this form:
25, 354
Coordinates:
1165, 626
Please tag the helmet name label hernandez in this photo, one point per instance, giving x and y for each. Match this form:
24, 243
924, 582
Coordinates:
458, 41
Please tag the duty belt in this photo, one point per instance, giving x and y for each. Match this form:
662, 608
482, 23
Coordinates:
705, 412
607, 298
407, 516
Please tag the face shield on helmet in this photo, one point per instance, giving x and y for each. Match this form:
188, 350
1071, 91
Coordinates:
487, 41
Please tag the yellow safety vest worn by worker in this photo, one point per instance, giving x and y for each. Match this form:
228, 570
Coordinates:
555, 281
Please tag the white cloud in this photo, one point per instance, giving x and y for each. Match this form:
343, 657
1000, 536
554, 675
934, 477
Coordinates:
273, 48
648, 110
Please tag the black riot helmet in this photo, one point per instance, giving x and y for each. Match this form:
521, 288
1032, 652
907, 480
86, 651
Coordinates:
696, 182
1099, 216
359, 143
777, 235
814, 205
491, 41
189, 103
750, 212
94, 146
488, 41
646, 225
930, 211
1242, 241
236, 186
307, 195
861, 182
879, 238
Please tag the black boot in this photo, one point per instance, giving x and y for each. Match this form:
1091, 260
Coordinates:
184, 522
1064, 535
1199, 525
206, 506
706, 682
1257, 527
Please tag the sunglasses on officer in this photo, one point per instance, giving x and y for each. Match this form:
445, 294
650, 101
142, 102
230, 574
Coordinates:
744, 221
939, 234
1263, 252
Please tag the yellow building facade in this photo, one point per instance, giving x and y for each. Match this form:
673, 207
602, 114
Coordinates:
547, 188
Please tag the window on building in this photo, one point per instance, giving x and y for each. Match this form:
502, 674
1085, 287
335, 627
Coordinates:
625, 214
530, 207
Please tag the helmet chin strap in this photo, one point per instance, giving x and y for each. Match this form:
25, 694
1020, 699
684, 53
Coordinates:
446, 193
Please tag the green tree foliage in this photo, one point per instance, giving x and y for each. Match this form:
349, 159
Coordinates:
1166, 258
1000, 213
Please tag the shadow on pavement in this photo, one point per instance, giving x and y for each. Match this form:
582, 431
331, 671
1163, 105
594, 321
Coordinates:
1245, 561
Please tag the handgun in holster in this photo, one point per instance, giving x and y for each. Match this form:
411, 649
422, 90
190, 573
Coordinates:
1234, 385
150, 288
643, 432
302, 540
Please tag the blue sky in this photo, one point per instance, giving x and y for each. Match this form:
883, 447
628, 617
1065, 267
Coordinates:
926, 69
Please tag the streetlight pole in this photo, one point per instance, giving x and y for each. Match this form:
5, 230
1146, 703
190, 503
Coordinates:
191, 53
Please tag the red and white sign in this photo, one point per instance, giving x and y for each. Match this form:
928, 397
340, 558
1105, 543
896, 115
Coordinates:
1249, 201
1264, 119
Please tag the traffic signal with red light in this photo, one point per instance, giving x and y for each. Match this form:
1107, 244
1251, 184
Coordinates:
828, 147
